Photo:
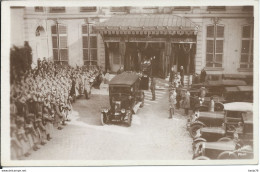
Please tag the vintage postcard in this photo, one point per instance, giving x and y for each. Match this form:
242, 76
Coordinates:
113, 83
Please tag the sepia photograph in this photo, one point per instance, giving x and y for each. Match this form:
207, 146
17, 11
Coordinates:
131, 84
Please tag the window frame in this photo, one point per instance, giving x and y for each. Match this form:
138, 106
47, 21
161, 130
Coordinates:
85, 10
89, 60
59, 48
215, 39
250, 50
38, 9
53, 10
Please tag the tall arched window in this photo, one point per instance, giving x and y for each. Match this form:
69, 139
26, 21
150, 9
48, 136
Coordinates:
247, 47
215, 42
89, 40
59, 43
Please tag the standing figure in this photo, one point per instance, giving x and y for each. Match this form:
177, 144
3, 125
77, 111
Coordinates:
182, 75
172, 75
211, 105
203, 75
173, 102
186, 102
152, 87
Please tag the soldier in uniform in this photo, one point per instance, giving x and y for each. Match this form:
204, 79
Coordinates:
173, 102
152, 87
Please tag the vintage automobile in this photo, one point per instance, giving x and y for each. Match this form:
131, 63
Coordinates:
209, 125
230, 149
238, 118
215, 88
238, 94
125, 98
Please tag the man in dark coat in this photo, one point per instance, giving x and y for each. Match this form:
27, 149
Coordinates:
203, 75
182, 75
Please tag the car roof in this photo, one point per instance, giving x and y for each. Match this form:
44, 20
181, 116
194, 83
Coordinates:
125, 78
231, 89
247, 117
235, 76
227, 82
245, 88
239, 106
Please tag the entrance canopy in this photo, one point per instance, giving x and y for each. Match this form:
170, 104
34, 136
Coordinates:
132, 24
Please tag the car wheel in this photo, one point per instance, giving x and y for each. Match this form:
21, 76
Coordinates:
142, 104
198, 142
129, 118
202, 158
103, 119
219, 107
224, 139
194, 130
227, 155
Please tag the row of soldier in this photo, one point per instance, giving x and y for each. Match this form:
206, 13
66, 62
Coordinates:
41, 101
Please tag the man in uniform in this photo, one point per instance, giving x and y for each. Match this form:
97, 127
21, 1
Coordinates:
173, 102
182, 75
152, 87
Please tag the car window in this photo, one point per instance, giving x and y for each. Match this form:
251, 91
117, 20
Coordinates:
125, 90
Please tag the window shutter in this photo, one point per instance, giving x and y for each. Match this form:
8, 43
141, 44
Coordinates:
220, 31
88, 9
64, 54
63, 41
210, 46
219, 46
54, 29
210, 31
54, 42
246, 32
93, 42
85, 29
85, 42
62, 29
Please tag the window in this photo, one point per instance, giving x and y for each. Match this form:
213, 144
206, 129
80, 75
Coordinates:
182, 8
88, 9
215, 42
247, 46
89, 41
118, 9
38, 9
57, 9
59, 43
216, 8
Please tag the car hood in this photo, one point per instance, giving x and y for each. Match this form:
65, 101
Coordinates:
211, 115
212, 130
225, 146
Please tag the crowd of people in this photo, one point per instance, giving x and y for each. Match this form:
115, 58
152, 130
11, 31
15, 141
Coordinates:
41, 102
180, 97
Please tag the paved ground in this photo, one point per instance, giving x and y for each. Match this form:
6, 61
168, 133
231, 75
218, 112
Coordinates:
152, 135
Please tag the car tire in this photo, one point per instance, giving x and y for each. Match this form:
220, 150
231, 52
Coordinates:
219, 107
197, 142
201, 158
224, 139
227, 155
129, 118
142, 104
193, 130
103, 119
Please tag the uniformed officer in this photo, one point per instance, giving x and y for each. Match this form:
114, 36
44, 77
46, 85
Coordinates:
152, 87
173, 102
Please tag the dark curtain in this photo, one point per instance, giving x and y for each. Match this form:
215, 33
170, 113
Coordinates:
107, 63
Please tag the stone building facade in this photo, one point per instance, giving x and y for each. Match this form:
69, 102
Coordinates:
223, 35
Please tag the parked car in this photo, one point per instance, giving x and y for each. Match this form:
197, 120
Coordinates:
222, 150
216, 88
125, 98
238, 120
238, 94
214, 125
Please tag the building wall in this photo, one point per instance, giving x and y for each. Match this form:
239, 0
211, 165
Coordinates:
25, 22
17, 26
